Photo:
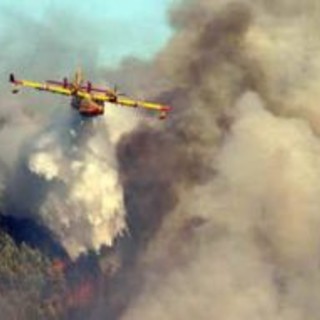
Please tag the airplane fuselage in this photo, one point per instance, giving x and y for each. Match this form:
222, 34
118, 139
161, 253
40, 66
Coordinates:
87, 107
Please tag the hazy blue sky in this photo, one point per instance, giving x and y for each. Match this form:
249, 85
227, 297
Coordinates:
120, 27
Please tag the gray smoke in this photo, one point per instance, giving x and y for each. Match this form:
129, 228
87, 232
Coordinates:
232, 199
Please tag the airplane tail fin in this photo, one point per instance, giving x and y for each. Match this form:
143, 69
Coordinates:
78, 78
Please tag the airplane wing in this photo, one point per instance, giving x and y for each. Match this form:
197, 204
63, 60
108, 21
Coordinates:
64, 83
51, 87
89, 88
127, 102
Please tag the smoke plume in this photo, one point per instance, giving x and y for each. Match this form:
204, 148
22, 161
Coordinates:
223, 202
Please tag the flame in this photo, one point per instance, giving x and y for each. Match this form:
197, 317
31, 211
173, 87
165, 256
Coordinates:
81, 296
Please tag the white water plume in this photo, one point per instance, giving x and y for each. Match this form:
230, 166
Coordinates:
84, 203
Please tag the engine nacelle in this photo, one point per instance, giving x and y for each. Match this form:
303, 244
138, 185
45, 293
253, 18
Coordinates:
65, 82
89, 86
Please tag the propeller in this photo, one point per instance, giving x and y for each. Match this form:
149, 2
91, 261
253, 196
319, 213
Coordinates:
117, 92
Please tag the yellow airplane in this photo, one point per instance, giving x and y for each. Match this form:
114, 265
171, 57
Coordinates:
88, 100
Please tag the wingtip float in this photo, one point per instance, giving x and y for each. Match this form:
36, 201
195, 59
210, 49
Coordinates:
87, 99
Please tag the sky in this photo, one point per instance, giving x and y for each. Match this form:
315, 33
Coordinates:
123, 27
